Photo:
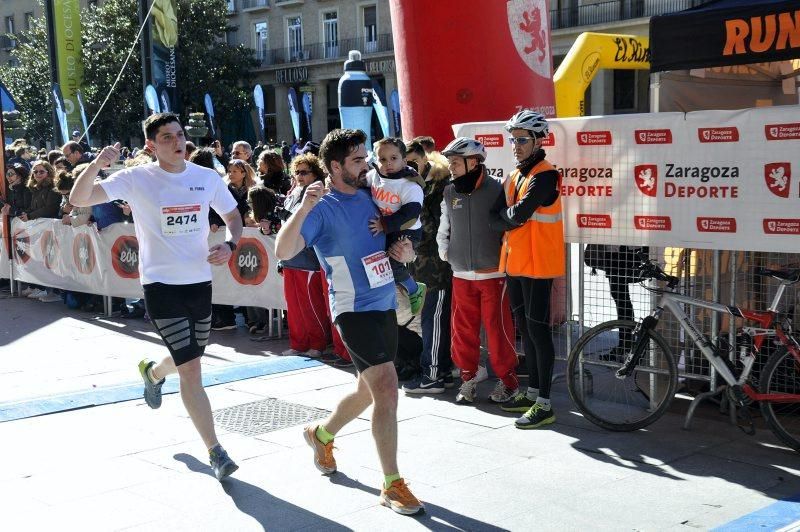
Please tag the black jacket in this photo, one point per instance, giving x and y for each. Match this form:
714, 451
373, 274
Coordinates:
45, 203
429, 268
19, 198
240, 195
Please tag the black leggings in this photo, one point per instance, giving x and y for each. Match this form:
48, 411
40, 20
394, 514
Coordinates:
618, 286
530, 302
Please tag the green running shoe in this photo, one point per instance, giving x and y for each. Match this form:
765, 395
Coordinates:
152, 390
417, 299
536, 417
221, 463
519, 403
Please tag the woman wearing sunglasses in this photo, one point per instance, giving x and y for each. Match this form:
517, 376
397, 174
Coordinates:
45, 200
532, 256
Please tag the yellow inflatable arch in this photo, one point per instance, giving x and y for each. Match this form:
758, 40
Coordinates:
590, 53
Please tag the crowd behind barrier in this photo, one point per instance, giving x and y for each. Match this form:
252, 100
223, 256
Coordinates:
702, 181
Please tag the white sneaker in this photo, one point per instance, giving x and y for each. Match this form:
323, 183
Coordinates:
292, 352
501, 394
481, 375
36, 294
466, 394
313, 353
50, 298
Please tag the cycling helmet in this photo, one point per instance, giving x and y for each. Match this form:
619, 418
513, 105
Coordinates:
465, 147
531, 121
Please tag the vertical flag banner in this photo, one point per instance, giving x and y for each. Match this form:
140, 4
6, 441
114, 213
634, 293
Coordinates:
7, 103
378, 100
166, 104
355, 96
160, 64
210, 113
58, 101
396, 121
294, 114
308, 110
83, 118
69, 58
151, 98
258, 97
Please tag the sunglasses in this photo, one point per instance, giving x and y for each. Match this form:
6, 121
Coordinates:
303, 172
40, 172
520, 140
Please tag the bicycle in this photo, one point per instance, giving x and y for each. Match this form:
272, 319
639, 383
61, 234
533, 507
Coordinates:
622, 375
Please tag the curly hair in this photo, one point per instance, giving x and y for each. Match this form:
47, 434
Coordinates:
313, 163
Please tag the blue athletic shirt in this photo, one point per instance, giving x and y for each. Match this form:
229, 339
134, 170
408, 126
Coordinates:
337, 229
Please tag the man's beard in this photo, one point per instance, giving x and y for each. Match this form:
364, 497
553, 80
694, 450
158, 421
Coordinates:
351, 180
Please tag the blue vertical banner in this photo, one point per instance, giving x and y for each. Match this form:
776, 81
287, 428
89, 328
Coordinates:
355, 96
166, 101
308, 109
210, 113
258, 98
7, 103
58, 101
381, 110
79, 97
294, 114
396, 120
151, 98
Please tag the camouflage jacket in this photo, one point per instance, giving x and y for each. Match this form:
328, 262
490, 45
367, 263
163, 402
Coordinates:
429, 268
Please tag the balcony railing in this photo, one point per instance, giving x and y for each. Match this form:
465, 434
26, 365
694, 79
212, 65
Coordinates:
253, 4
604, 12
316, 51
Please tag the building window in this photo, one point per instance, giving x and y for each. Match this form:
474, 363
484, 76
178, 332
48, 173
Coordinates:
92, 4
231, 6
330, 30
262, 44
9, 24
230, 35
294, 34
624, 90
28, 20
370, 17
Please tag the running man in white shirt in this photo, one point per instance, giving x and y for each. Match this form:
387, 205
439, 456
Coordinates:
171, 199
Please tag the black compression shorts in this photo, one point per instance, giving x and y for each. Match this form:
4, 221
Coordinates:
182, 315
370, 337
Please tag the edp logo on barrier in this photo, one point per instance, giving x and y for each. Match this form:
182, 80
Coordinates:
249, 264
125, 257
83, 253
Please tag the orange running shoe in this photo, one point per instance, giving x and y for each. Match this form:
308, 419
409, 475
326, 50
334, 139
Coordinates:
400, 499
323, 454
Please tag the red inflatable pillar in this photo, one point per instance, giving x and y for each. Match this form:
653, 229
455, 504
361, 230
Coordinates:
470, 61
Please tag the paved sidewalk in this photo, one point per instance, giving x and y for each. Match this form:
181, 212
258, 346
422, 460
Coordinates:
124, 466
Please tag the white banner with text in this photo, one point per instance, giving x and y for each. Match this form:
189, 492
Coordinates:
707, 179
82, 259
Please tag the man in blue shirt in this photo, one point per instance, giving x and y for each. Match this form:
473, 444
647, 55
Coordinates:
362, 301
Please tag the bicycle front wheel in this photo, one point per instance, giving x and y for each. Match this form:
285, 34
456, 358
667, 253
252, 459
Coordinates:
620, 404
781, 375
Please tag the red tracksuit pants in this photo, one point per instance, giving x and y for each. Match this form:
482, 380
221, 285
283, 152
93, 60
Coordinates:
485, 301
309, 327
338, 345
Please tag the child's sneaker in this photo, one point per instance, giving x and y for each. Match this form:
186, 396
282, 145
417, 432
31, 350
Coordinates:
417, 299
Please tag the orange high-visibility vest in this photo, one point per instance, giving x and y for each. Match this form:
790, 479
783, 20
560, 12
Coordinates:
536, 248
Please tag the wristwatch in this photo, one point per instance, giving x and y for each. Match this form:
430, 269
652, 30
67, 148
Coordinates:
231, 244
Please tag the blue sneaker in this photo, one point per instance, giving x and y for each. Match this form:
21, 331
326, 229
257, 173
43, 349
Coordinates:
424, 385
152, 390
221, 463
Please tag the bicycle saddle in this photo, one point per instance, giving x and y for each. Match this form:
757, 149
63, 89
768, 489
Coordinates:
792, 276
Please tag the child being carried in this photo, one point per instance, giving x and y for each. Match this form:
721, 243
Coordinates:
397, 192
